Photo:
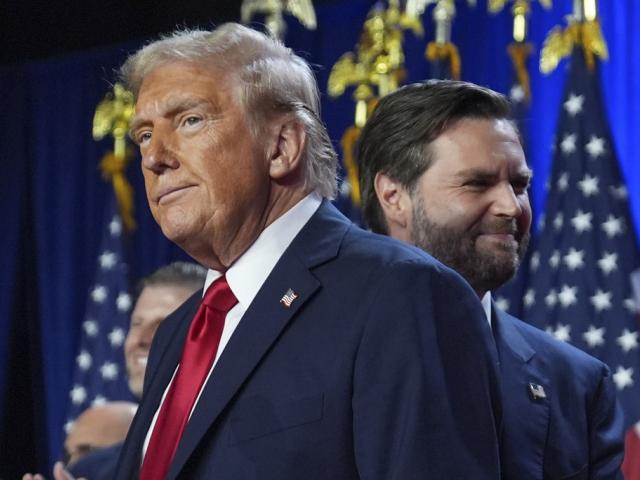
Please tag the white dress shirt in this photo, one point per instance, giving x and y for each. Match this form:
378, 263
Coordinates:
486, 305
247, 274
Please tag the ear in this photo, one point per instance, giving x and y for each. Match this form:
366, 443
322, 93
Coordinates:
396, 205
290, 139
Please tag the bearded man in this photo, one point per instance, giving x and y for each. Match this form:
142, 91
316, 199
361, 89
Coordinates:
442, 167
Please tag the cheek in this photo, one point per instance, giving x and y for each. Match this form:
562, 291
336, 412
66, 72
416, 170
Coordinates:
131, 340
525, 219
462, 216
128, 346
148, 188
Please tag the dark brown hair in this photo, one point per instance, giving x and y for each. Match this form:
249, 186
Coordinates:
395, 141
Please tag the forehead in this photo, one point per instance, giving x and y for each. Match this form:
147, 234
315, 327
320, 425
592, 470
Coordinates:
87, 429
478, 143
161, 297
174, 82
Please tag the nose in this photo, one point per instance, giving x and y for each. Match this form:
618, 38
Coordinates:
157, 155
139, 336
506, 202
145, 336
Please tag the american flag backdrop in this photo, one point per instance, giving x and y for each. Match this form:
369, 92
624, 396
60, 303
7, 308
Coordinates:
579, 287
509, 296
100, 373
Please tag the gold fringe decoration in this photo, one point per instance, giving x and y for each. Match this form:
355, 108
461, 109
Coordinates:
113, 169
348, 142
519, 53
445, 51
559, 44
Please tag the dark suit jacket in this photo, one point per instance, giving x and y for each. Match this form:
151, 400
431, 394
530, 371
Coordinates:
98, 465
576, 432
381, 368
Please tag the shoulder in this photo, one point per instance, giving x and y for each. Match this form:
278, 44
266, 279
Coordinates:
329, 229
559, 357
99, 464
334, 243
384, 249
585, 423
397, 266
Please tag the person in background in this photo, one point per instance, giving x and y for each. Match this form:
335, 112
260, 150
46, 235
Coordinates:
156, 296
98, 427
318, 350
441, 166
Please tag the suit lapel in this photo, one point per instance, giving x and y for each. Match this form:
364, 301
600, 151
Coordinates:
262, 323
526, 419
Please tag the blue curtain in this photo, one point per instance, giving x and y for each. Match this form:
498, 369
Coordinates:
18, 345
12, 194
54, 198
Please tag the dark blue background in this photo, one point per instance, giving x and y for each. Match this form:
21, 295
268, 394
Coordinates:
53, 197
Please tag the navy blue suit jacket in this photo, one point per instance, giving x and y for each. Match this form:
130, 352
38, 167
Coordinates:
382, 367
576, 431
99, 464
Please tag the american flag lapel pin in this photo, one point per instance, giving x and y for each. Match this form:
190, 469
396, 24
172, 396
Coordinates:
537, 392
288, 298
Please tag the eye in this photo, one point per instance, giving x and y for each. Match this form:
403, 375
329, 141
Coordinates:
477, 184
192, 120
520, 187
143, 137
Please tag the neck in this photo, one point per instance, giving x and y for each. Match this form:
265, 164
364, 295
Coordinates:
280, 202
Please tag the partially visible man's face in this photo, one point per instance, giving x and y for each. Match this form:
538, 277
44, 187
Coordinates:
154, 304
98, 427
206, 178
471, 208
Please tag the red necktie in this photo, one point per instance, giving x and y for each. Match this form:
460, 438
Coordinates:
198, 354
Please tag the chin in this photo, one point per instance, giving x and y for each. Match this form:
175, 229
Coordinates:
177, 231
135, 386
175, 221
173, 235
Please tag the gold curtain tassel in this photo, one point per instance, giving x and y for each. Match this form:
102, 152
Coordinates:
348, 142
445, 51
113, 168
593, 43
559, 44
519, 53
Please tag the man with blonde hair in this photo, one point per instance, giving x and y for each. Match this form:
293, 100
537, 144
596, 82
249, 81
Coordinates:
318, 351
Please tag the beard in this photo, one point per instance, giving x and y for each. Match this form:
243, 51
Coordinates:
484, 270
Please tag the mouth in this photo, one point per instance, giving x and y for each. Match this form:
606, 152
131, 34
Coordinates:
506, 232
167, 194
139, 361
502, 236
499, 241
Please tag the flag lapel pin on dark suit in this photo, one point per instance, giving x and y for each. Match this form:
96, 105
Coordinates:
288, 298
536, 392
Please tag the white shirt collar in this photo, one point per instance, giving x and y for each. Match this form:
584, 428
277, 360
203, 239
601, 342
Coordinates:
251, 269
486, 305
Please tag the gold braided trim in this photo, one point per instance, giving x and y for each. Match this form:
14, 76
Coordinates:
348, 143
112, 168
519, 53
589, 35
445, 51
560, 43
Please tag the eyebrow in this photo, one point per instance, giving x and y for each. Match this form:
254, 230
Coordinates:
170, 108
485, 174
